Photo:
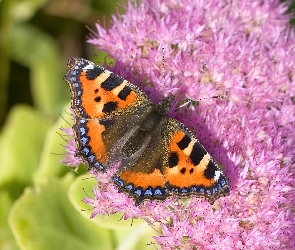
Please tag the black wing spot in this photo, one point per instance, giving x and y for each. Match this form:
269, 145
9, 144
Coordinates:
109, 107
92, 74
173, 160
183, 170
197, 153
96, 91
97, 99
185, 141
124, 93
191, 171
112, 82
106, 123
209, 172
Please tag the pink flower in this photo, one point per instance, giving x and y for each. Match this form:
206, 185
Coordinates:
243, 51
70, 159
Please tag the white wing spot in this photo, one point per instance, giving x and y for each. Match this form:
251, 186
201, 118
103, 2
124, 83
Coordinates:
217, 175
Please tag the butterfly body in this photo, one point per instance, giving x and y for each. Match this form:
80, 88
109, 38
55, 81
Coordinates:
116, 122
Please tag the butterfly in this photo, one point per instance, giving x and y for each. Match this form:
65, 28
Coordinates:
159, 157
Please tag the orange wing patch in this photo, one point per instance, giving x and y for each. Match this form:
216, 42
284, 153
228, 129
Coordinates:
95, 130
139, 179
99, 93
100, 97
187, 162
88, 135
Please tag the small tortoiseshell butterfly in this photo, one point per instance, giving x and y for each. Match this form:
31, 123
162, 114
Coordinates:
116, 122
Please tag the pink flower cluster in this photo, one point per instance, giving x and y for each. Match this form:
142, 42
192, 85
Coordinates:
244, 52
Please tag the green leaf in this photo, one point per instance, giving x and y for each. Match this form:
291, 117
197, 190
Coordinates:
41, 55
43, 218
7, 241
22, 10
54, 151
137, 237
21, 143
130, 234
102, 57
83, 186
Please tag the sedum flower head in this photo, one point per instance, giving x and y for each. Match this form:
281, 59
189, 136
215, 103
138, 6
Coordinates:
243, 52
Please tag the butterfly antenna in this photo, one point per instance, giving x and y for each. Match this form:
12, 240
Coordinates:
194, 102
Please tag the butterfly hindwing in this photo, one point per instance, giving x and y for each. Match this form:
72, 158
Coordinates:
142, 176
188, 167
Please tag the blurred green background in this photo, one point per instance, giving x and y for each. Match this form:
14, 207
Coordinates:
40, 198
37, 37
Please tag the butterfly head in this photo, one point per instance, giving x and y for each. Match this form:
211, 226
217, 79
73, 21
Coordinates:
164, 105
